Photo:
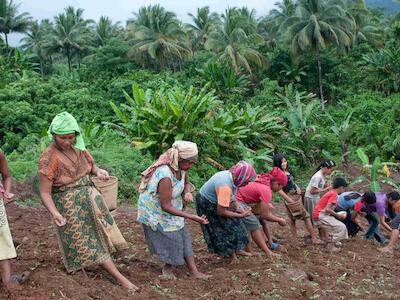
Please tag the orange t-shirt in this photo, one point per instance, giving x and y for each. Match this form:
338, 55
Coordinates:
327, 199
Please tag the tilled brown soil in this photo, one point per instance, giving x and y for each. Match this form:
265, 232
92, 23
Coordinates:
304, 272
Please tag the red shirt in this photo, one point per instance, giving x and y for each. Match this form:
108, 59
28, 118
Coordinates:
323, 203
254, 192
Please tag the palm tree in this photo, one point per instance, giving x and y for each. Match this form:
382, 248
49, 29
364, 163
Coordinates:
70, 34
202, 25
272, 25
231, 42
366, 29
10, 20
104, 30
34, 39
317, 23
157, 34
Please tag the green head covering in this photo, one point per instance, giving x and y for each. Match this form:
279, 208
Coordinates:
65, 123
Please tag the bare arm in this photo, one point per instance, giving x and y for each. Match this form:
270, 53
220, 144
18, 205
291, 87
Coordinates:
384, 224
330, 210
165, 192
266, 214
315, 190
225, 212
45, 195
7, 179
285, 197
5, 173
354, 218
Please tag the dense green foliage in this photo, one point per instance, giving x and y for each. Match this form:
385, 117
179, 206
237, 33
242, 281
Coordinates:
311, 78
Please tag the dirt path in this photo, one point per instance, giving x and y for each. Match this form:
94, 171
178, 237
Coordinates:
304, 272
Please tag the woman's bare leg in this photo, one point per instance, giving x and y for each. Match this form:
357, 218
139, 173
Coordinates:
310, 229
5, 270
194, 272
110, 267
293, 229
258, 238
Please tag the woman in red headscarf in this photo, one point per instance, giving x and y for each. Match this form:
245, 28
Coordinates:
225, 234
260, 191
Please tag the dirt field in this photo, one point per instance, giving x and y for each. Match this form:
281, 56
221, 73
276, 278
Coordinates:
358, 271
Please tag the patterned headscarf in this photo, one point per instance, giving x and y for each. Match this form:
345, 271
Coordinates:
179, 150
65, 123
242, 173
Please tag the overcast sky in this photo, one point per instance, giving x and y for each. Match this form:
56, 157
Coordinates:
121, 10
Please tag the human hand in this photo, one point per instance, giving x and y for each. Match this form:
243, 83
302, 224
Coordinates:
8, 197
282, 222
102, 174
327, 188
188, 197
202, 220
245, 212
59, 220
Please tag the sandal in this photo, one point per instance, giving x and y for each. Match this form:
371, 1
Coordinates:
20, 278
274, 246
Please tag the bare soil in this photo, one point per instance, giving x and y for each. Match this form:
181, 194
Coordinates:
306, 271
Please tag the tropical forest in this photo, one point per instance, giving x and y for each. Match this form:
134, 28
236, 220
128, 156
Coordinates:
315, 80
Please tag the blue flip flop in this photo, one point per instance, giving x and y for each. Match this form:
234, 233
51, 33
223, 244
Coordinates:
274, 246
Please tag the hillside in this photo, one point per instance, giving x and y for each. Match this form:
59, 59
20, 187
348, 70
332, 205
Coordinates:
389, 6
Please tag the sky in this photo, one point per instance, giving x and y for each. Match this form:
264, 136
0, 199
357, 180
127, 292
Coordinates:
121, 10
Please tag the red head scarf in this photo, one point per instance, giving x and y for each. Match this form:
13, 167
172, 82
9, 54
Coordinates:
279, 176
242, 173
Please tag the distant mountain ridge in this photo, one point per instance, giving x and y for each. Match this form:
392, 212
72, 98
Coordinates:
390, 6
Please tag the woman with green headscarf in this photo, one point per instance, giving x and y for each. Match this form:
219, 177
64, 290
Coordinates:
87, 233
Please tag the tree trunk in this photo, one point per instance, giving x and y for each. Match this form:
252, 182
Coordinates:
321, 92
345, 155
161, 61
41, 67
79, 61
69, 60
5, 35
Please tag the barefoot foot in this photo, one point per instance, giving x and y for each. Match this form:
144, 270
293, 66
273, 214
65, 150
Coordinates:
199, 275
244, 253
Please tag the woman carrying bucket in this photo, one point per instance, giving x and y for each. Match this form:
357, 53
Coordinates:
163, 189
87, 233
291, 195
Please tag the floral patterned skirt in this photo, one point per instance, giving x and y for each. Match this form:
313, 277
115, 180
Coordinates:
222, 235
90, 233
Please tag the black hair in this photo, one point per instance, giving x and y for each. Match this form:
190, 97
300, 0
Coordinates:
394, 195
277, 160
327, 163
352, 196
369, 198
397, 156
339, 182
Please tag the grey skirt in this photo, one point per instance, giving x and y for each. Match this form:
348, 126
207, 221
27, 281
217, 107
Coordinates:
171, 247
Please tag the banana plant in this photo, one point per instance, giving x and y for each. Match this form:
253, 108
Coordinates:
154, 119
342, 131
372, 172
